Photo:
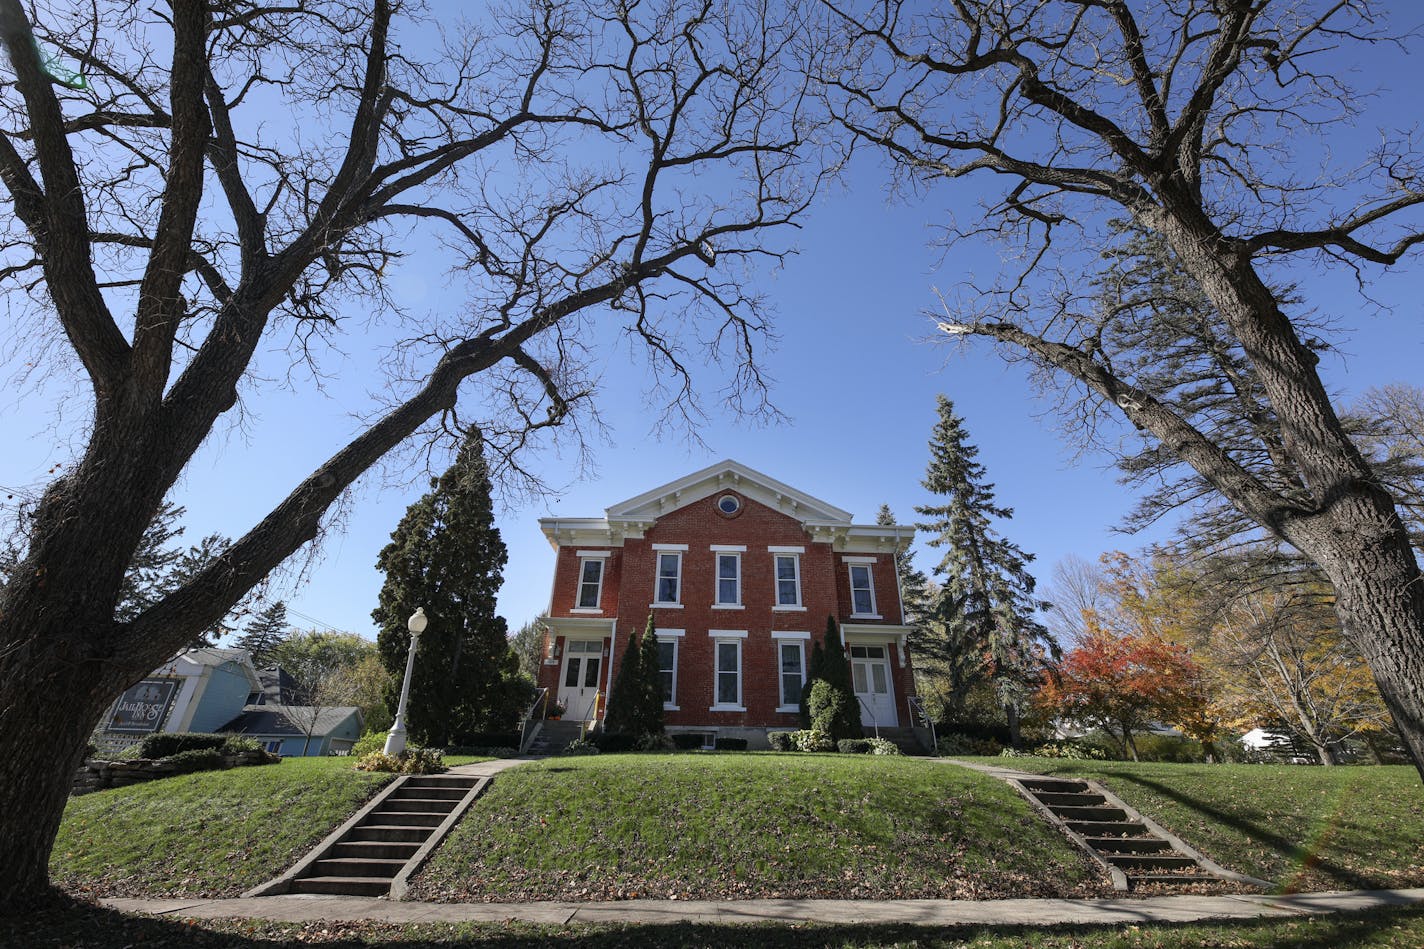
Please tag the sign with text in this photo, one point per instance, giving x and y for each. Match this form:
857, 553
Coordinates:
143, 707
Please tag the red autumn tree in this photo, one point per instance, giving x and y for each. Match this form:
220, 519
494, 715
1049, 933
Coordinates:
1122, 683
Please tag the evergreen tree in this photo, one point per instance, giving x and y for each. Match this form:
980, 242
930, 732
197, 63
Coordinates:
266, 631
650, 721
446, 555
835, 670
625, 697
985, 608
914, 585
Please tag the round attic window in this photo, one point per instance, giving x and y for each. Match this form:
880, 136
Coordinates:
729, 504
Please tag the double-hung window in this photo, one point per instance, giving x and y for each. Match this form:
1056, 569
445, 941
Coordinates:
862, 590
786, 565
729, 576
667, 665
727, 658
668, 591
590, 587
791, 668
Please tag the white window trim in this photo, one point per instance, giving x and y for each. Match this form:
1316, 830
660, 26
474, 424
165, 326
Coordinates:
662, 551
720, 636
736, 554
866, 562
786, 639
601, 559
786, 550
776, 605
673, 636
728, 548
789, 634
594, 554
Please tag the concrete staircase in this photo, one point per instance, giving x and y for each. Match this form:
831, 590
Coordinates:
904, 738
1118, 837
554, 737
368, 855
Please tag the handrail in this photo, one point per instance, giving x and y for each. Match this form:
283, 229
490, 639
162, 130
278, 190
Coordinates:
593, 716
920, 714
525, 737
874, 719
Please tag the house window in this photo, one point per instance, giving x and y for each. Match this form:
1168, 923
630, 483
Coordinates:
729, 579
788, 580
273, 747
667, 670
862, 590
792, 673
590, 583
669, 578
727, 669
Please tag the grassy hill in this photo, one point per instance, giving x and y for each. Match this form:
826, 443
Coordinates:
751, 825
1302, 828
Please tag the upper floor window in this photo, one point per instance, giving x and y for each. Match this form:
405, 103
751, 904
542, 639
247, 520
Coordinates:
862, 590
729, 579
669, 589
590, 583
788, 580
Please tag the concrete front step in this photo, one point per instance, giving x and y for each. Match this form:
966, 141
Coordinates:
388, 833
1150, 861
381, 849
1175, 878
341, 886
1057, 799
357, 867
1106, 845
450, 795
426, 804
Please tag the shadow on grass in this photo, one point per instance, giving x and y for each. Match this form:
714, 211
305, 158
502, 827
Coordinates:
90, 927
1349, 879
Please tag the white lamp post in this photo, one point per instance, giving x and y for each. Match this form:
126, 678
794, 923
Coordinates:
395, 741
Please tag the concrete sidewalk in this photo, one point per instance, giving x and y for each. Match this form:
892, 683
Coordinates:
1106, 912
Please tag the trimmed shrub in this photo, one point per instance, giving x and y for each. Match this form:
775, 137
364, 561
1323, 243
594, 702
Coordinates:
687, 741
581, 746
236, 745
956, 744
651, 742
812, 740
883, 746
196, 759
369, 742
168, 744
410, 761
853, 746
613, 742
781, 741
730, 744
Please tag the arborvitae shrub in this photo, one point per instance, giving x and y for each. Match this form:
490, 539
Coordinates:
781, 741
853, 746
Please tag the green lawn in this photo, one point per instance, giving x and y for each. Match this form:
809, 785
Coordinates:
215, 833
751, 825
92, 928
1303, 828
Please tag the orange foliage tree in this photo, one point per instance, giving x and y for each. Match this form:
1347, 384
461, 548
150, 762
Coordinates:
1124, 682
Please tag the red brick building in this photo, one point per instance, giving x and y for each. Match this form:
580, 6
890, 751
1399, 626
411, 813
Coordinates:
740, 573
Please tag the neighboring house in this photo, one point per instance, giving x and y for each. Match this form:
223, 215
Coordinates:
196, 691
278, 688
294, 731
740, 573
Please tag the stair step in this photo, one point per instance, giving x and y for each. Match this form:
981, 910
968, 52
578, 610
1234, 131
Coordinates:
388, 833
1171, 878
1117, 828
1106, 845
357, 867
380, 849
342, 886
448, 795
429, 804
1055, 785
1150, 861
408, 818
1096, 814
1071, 798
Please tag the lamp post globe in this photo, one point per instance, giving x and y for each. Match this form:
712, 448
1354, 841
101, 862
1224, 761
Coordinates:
395, 741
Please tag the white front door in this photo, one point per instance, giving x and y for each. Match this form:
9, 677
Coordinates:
578, 687
870, 677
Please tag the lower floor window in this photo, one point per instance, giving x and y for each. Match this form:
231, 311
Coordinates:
667, 670
729, 672
791, 673
273, 746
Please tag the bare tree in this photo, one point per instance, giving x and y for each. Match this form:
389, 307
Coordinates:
1196, 119
194, 184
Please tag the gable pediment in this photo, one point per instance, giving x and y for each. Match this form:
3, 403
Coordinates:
727, 476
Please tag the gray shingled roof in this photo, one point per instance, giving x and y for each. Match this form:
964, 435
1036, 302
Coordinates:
287, 720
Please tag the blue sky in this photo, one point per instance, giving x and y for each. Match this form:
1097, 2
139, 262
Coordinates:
853, 374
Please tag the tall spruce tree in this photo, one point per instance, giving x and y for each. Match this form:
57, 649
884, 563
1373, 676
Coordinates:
914, 585
625, 698
446, 555
264, 633
984, 609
